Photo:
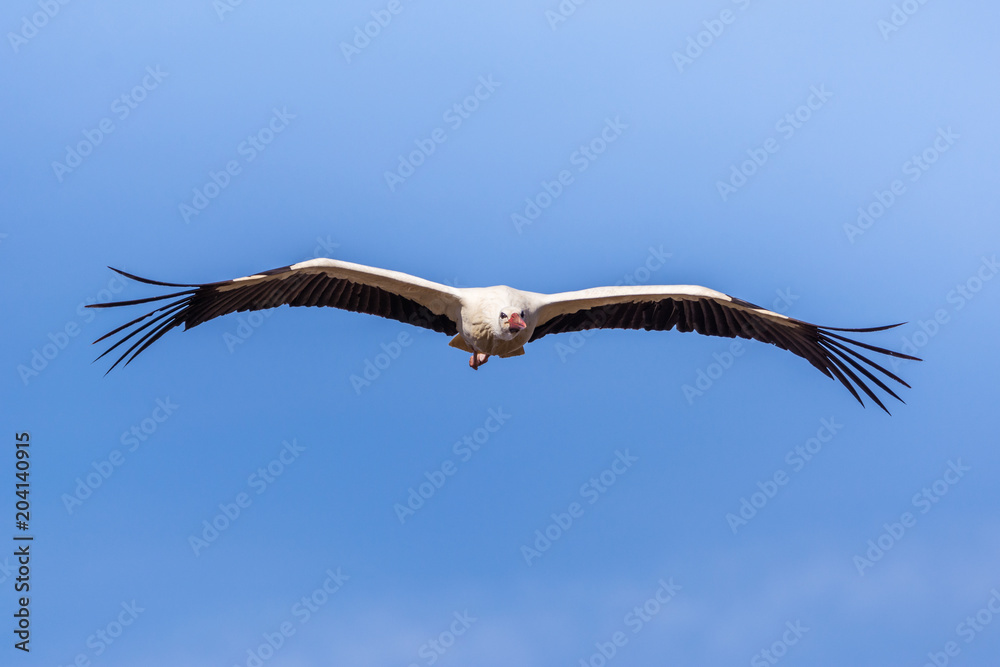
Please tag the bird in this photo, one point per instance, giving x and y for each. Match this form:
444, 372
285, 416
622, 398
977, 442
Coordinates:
499, 321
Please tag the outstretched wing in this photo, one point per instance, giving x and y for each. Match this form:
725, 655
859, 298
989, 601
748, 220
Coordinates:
318, 282
705, 311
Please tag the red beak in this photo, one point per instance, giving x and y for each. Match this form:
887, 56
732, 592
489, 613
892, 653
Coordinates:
515, 323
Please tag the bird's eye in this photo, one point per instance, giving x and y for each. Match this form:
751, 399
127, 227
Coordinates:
522, 314
503, 315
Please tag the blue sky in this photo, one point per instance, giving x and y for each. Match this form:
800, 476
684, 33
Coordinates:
702, 504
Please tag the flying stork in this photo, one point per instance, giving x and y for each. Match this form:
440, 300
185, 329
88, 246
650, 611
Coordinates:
500, 321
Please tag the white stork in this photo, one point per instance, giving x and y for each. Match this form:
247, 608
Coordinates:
499, 321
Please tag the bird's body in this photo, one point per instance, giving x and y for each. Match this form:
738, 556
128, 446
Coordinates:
480, 331
500, 320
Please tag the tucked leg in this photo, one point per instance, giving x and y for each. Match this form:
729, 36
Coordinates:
477, 360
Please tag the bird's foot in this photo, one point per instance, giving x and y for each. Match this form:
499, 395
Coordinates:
477, 360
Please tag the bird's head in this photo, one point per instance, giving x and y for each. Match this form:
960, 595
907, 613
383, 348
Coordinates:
511, 322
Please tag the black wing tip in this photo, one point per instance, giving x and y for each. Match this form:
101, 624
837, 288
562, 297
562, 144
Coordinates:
136, 302
881, 350
149, 281
884, 409
840, 356
133, 302
899, 355
865, 329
